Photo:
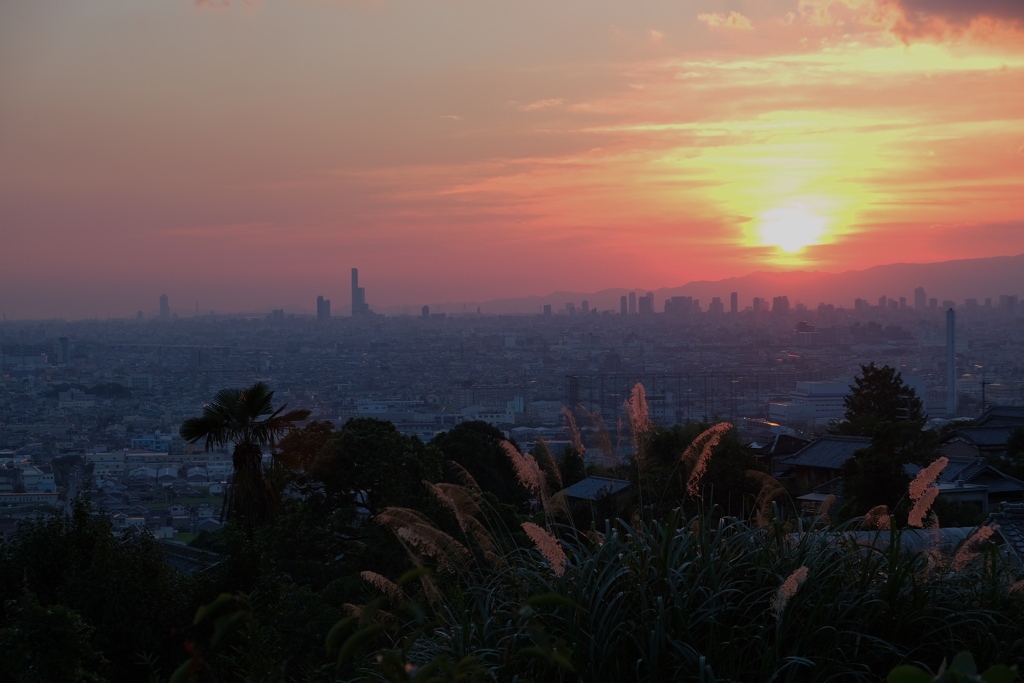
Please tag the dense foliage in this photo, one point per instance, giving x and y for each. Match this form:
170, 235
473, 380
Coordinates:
882, 406
462, 559
707, 599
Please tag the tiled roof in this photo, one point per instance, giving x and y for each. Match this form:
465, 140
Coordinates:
593, 488
983, 436
1010, 518
829, 451
974, 471
782, 444
1002, 416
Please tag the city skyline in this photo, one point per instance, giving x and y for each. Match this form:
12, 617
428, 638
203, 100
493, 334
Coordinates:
236, 153
968, 283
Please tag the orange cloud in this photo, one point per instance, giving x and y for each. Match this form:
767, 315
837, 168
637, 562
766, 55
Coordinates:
914, 20
542, 104
734, 20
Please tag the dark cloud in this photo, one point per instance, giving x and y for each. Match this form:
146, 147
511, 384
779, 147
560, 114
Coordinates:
963, 11
920, 17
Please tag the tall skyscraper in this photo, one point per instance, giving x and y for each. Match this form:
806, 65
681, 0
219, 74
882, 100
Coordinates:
63, 351
632, 303
623, 305
359, 305
920, 300
951, 363
647, 304
780, 305
323, 308
734, 302
165, 308
425, 313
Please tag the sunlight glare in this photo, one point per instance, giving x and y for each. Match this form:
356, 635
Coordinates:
791, 228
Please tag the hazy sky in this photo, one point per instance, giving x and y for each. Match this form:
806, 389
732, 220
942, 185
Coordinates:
248, 154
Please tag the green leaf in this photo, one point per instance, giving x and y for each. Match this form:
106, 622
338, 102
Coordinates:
183, 673
964, 663
550, 600
549, 656
334, 635
412, 575
207, 610
356, 640
1000, 673
908, 674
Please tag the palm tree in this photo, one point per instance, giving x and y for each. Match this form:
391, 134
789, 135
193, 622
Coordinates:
247, 418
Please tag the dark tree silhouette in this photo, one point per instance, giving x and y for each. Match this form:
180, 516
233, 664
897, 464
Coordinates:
879, 395
247, 418
882, 406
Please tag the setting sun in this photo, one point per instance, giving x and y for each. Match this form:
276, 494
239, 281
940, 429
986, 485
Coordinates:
791, 229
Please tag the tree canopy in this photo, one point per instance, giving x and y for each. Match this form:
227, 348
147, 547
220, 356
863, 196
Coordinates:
246, 417
878, 395
882, 406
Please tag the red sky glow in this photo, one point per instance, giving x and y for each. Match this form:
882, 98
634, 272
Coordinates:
248, 154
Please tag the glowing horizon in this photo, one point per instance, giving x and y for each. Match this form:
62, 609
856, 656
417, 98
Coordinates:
249, 154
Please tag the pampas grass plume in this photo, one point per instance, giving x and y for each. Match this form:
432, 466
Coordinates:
787, 590
926, 477
548, 545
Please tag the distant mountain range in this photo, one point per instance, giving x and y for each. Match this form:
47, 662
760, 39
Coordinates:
955, 280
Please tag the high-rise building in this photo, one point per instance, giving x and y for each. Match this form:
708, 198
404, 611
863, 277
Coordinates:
883, 302
647, 304
758, 304
165, 308
547, 309
63, 351
951, 363
632, 303
323, 308
425, 313
716, 306
359, 305
780, 305
585, 307
623, 305
920, 300
679, 305
734, 302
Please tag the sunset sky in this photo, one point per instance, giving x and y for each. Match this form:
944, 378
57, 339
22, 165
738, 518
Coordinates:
248, 154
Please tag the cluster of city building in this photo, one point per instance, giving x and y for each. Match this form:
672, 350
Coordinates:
116, 391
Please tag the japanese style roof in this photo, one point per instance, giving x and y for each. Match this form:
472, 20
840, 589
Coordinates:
1010, 520
593, 488
1002, 416
987, 436
827, 452
781, 444
974, 471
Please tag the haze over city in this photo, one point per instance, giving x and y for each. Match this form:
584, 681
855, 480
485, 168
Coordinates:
246, 155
